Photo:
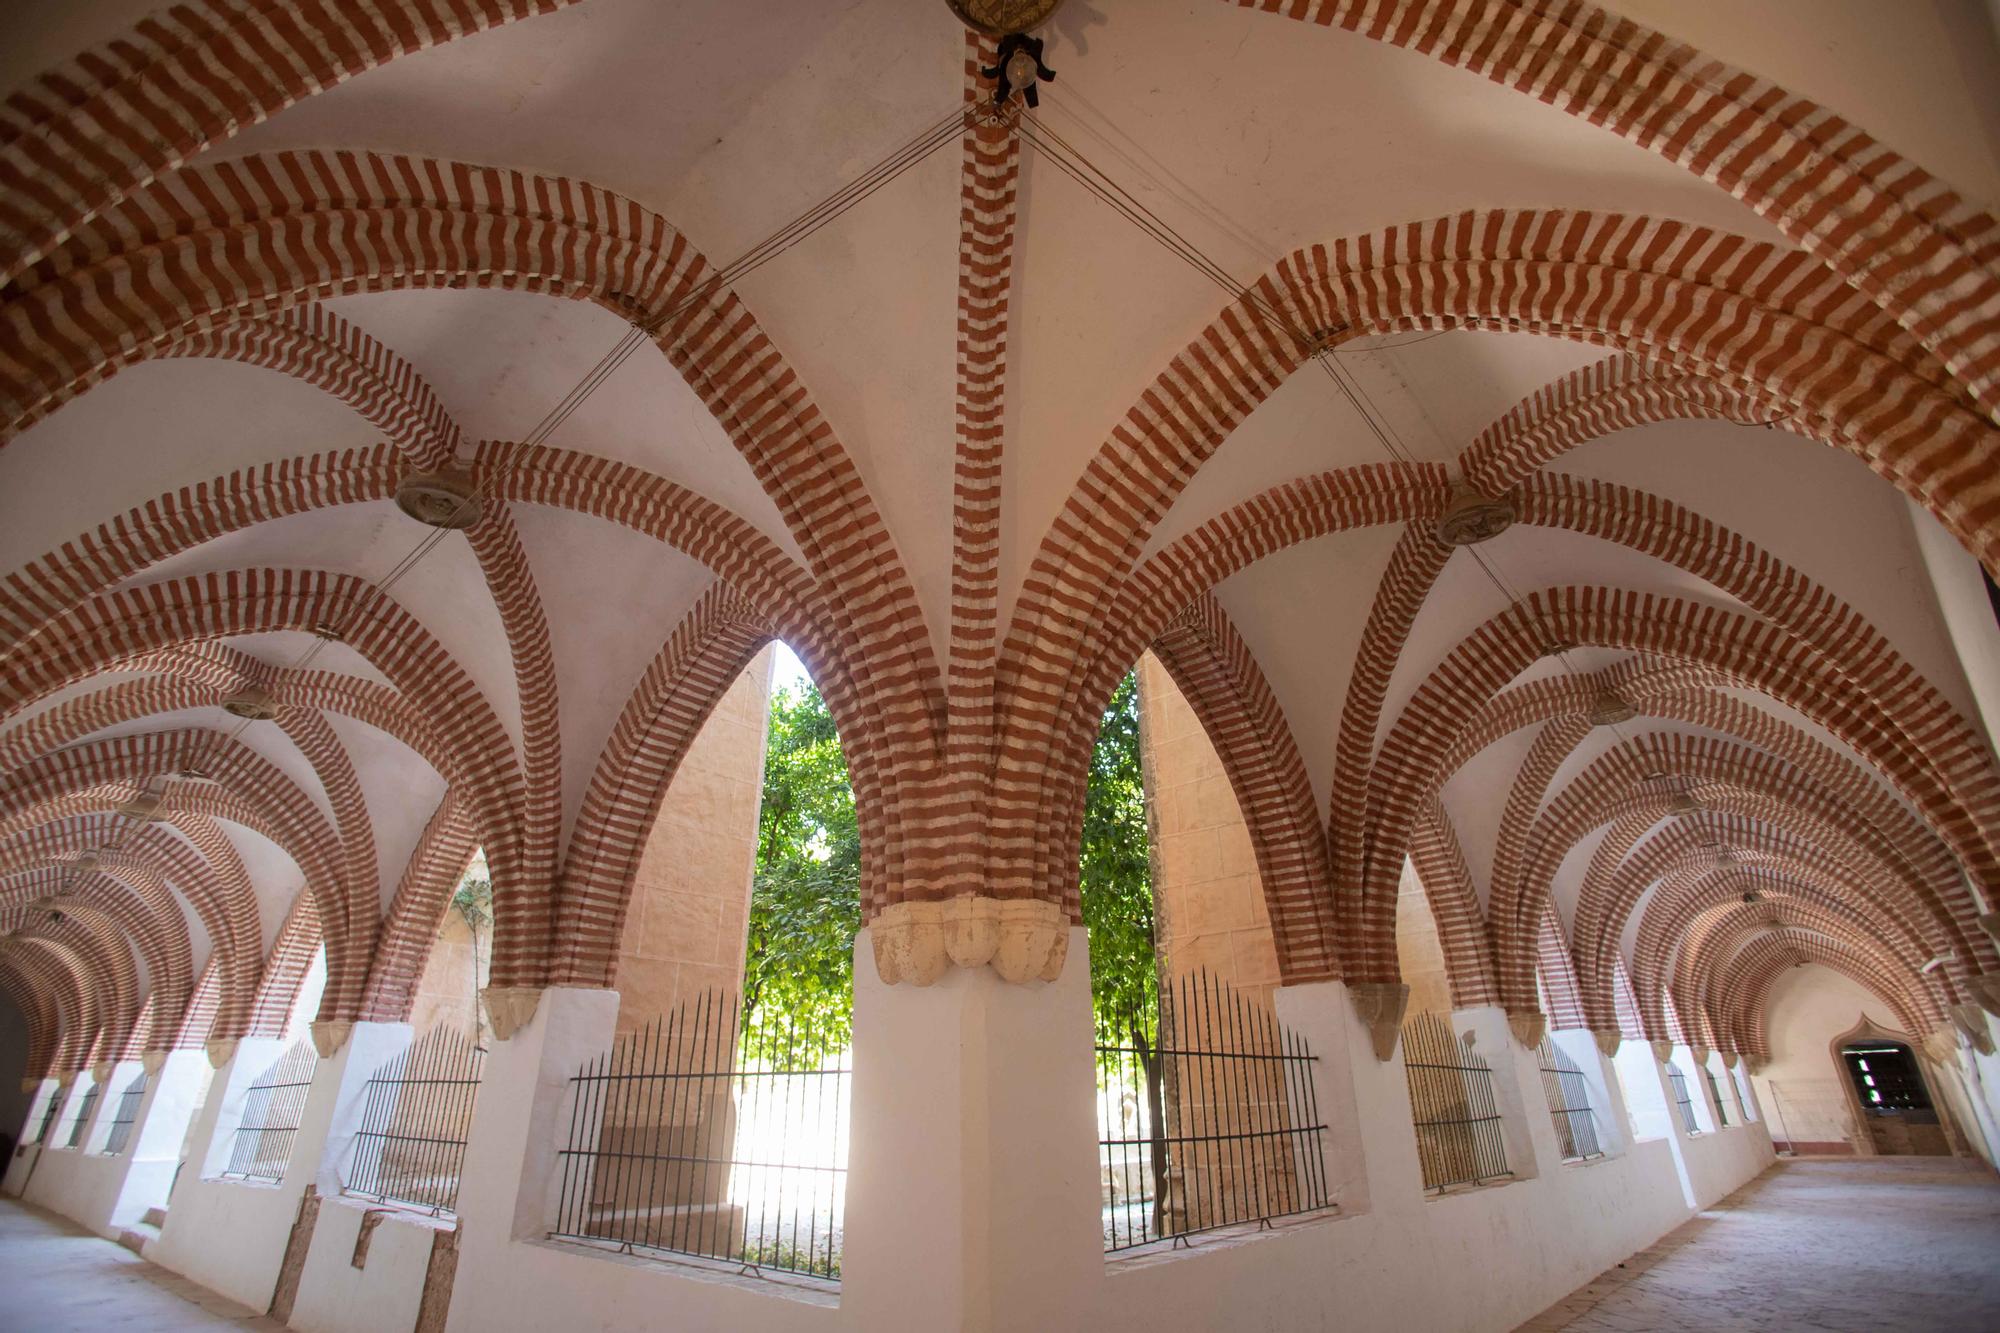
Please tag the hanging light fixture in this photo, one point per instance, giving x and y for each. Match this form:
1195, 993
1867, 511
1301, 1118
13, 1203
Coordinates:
1608, 710
1471, 518
445, 499
252, 702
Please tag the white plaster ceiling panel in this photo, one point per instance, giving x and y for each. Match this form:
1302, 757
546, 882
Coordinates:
1439, 390
1819, 509
500, 362
151, 429
1476, 797
285, 648
613, 597
864, 310
400, 790
1300, 612
274, 877
1567, 882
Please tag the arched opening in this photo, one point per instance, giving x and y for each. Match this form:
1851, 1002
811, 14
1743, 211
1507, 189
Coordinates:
1892, 1097
1206, 1111
715, 1127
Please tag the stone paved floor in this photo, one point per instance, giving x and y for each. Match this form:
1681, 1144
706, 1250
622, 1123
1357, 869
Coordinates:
56, 1277
1873, 1245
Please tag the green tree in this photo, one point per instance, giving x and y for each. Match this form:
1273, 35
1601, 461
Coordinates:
805, 901
1116, 877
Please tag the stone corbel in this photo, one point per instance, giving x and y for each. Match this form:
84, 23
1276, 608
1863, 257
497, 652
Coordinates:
1023, 939
221, 1050
1754, 1065
329, 1035
1529, 1026
101, 1072
1381, 1005
510, 1008
1729, 1059
1985, 988
63, 1081
1701, 1054
1663, 1051
1608, 1042
152, 1062
31, 1085
1941, 1045
1971, 1021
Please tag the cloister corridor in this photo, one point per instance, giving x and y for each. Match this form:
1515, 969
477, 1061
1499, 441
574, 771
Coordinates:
1870, 1244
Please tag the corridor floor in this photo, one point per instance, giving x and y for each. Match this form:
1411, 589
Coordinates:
56, 1277
1873, 1245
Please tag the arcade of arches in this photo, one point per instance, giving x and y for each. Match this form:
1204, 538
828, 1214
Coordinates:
1542, 462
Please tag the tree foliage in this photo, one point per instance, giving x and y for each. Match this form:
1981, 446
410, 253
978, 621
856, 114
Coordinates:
805, 901
1116, 876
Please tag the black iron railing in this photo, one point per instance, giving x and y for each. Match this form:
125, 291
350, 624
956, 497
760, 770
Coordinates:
126, 1113
414, 1122
83, 1111
1459, 1134
679, 1144
261, 1147
1682, 1099
1568, 1091
48, 1118
1715, 1091
1207, 1119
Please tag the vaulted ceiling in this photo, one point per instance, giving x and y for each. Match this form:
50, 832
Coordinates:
267, 265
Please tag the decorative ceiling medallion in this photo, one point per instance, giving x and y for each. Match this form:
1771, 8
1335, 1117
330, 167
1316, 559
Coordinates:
252, 702
1608, 710
1471, 518
1002, 18
445, 499
85, 864
1684, 804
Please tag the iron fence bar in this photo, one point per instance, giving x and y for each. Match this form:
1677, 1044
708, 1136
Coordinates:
1234, 1136
123, 1118
273, 1106
1453, 1107
82, 1116
657, 1158
1683, 1100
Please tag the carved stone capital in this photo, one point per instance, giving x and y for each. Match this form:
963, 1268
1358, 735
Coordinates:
31, 1085
1755, 1065
1985, 989
1608, 1042
1663, 1051
1971, 1021
1381, 1005
1529, 1026
1023, 939
1701, 1054
64, 1080
101, 1071
220, 1051
1729, 1059
329, 1035
1941, 1045
510, 1008
152, 1062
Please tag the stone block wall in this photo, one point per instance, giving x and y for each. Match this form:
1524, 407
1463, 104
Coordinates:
1208, 901
684, 930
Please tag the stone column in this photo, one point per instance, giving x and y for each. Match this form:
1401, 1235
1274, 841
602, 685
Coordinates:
1525, 1128
972, 1104
1371, 1151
